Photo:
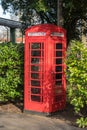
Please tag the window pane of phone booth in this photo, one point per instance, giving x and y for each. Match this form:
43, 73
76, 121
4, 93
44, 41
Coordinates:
58, 83
58, 75
58, 46
36, 53
58, 60
58, 68
35, 75
58, 53
35, 98
35, 68
35, 83
58, 98
35, 90
36, 46
35, 60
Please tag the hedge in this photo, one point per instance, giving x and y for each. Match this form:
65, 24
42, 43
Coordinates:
11, 71
77, 80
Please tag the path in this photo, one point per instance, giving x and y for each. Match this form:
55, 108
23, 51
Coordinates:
16, 121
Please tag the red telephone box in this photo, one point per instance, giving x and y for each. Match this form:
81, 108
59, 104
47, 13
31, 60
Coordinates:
45, 81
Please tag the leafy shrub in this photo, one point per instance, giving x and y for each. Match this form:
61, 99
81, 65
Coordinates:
77, 79
11, 71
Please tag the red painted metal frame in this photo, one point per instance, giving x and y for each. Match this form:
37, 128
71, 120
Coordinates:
52, 96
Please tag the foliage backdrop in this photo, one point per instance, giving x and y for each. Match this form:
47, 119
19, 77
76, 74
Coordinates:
11, 71
45, 11
77, 80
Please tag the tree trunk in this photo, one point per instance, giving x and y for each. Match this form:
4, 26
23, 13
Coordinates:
59, 13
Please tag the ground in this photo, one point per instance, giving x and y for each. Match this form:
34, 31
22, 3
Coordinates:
67, 115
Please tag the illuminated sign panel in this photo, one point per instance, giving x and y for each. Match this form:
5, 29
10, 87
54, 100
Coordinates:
44, 34
57, 34
36, 34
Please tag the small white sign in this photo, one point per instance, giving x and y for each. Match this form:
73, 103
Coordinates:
36, 34
57, 34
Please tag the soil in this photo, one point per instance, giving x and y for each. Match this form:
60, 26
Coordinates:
11, 107
66, 115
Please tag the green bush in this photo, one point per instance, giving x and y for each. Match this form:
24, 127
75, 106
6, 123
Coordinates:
77, 80
11, 71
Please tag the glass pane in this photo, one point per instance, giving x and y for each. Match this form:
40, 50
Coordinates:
58, 46
35, 45
58, 68
59, 83
35, 75
35, 68
58, 98
58, 76
58, 61
35, 53
58, 53
35, 83
35, 60
35, 98
35, 90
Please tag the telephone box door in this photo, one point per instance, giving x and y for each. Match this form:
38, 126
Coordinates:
36, 75
59, 88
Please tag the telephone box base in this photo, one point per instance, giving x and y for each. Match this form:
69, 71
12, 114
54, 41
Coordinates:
46, 114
